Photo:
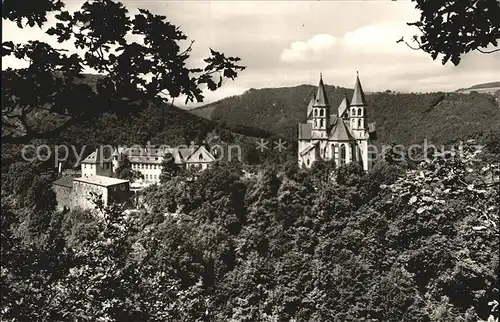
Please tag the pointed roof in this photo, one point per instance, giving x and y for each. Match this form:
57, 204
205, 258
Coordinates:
204, 152
358, 97
341, 133
344, 106
101, 154
321, 99
310, 106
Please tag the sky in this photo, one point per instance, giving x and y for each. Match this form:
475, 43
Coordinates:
288, 43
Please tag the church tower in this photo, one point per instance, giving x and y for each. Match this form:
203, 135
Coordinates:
344, 136
357, 113
359, 124
320, 116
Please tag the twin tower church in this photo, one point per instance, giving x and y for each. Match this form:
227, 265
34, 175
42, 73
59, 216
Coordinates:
344, 136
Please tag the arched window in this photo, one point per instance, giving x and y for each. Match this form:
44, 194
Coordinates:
360, 111
359, 123
315, 112
342, 154
321, 123
353, 112
353, 153
321, 112
308, 162
201, 157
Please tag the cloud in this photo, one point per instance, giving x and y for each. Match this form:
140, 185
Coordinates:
380, 38
310, 49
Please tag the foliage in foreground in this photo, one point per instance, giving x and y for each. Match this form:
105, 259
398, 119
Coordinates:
273, 246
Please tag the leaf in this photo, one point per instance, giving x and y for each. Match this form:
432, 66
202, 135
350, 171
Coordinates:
421, 210
51, 31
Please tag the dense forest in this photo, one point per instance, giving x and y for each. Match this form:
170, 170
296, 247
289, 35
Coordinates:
407, 241
403, 118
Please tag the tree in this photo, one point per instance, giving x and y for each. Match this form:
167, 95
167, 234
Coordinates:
132, 74
124, 171
453, 28
169, 168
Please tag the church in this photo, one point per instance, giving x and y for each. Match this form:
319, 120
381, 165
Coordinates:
344, 136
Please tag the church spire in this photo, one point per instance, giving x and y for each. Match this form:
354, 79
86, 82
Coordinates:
358, 98
321, 99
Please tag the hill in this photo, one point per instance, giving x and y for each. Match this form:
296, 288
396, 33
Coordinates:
491, 88
161, 125
403, 118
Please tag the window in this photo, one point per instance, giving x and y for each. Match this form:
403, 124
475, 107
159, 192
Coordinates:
142, 165
360, 111
201, 156
308, 161
342, 154
315, 112
353, 112
359, 123
321, 112
322, 123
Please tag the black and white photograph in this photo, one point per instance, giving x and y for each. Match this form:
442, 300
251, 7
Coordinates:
240, 161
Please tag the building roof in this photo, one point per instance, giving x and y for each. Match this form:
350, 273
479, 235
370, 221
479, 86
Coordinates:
101, 180
333, 120
321, 99
309, 149
64, 182
358, 97
143, 152
100, 155
310, 107
305, 131
340, 132
156, 155
145, 159
185, 153
343, 107
204, 151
